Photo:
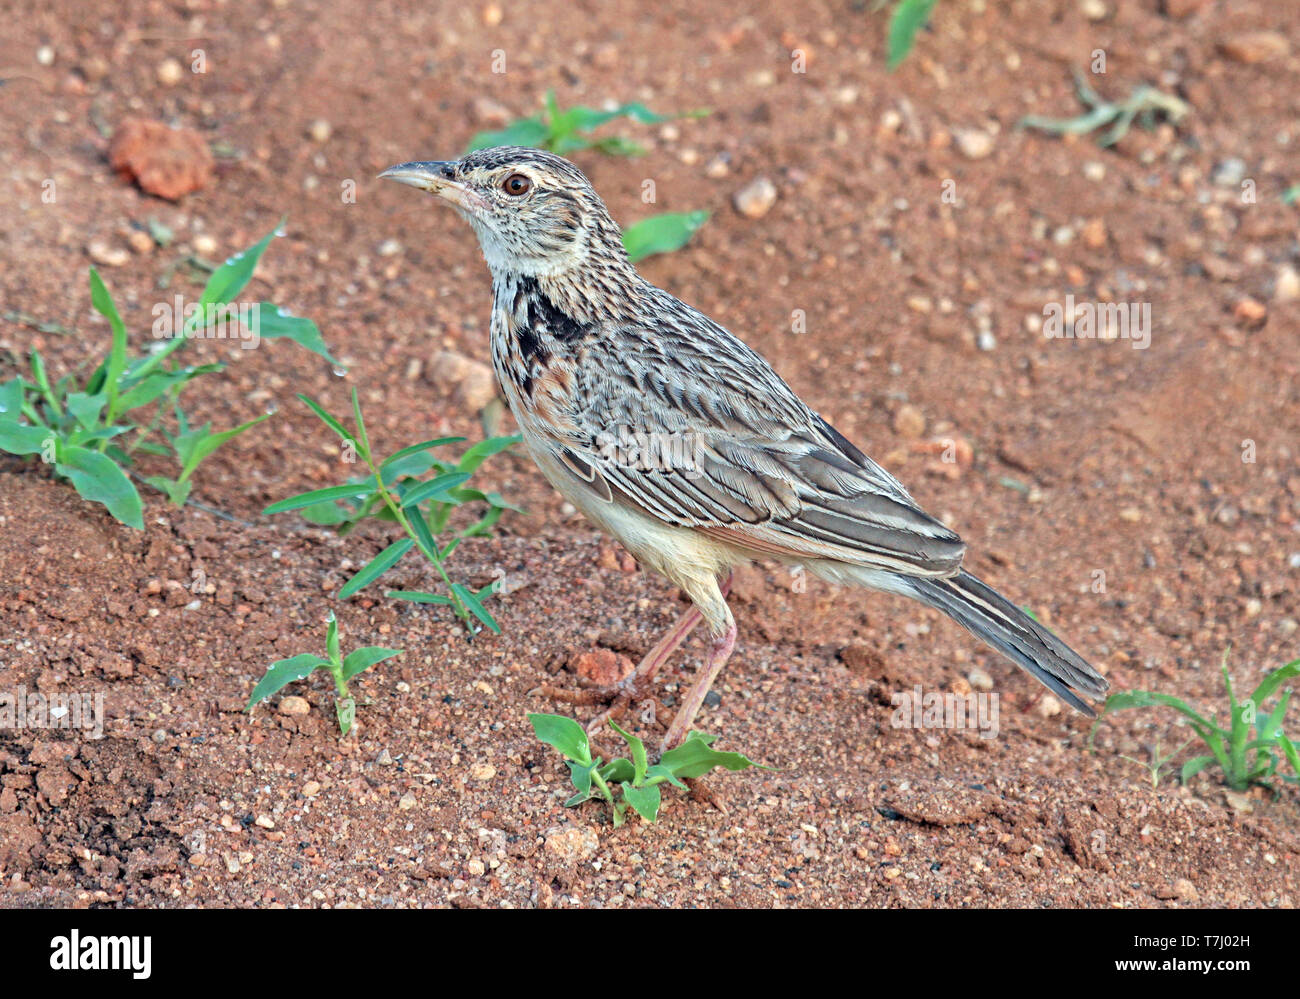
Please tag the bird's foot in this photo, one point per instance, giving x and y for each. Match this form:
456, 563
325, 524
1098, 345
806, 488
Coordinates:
617, 696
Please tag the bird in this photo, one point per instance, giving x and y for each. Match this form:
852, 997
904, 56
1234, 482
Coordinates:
672, 435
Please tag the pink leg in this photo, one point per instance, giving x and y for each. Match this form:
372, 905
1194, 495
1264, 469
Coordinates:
694, 700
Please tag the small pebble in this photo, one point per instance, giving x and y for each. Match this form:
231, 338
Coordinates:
295, 706
979, 680
1286, 286
320, 130
909, 422
170, 72
973, 143
105, 254
1229, 173
756, 198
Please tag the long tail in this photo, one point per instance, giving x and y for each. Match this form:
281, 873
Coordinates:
988, 615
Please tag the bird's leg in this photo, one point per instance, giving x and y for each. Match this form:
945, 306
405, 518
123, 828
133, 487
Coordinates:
719, 652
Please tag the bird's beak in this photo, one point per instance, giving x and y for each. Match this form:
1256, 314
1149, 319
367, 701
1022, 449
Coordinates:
436, 177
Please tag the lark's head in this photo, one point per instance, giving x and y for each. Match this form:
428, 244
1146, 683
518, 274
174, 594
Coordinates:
534, 212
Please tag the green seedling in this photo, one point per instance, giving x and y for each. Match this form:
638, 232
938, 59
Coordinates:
634, 783
342, 668
907, 20
661, 233
1291, 195
1231, 748
90, 432
1143, 105
1158, 761
395, 492
569, 131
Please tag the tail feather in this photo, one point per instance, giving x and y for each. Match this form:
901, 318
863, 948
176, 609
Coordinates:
988, 615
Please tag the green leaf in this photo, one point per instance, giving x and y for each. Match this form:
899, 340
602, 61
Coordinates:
233, 276
20, 438
638, 752
695, 758
327, 419
563, 734
346, 709
483, 450
416, 597
332, 638
1274, 680
196, 449
43, 383
524, 132
283, 672
377, 566
103, 303
661, 772
85, 409
471, 601
435, 488
581, 776
645, 800
417, 449
149, 388
1147, 699
661, 233
360, 660
275, 323
359, 490
909, 17
362, 436
1293, 757
618, 770
98, 478
11, 399
177, 492
423, 536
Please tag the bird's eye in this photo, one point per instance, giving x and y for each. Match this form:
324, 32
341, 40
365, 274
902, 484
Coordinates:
516, 184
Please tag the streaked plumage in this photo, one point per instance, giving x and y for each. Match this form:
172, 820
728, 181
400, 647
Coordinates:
586, 349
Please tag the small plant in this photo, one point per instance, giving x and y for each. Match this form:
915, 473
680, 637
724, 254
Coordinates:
569, 131
661, 233
1158, 761
1142, 105
285, 671
394, 492
630, 783
89, 432
1232, 748
908, 18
